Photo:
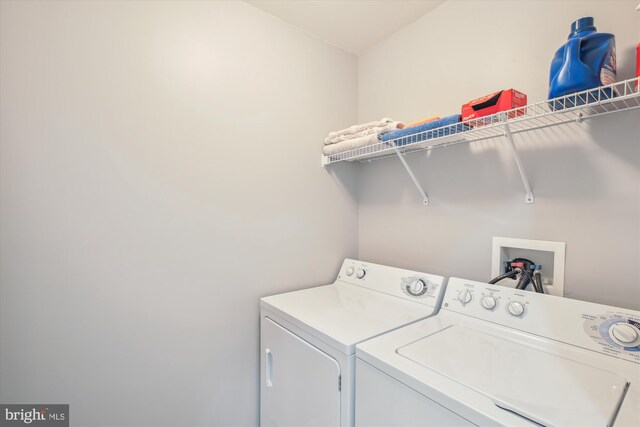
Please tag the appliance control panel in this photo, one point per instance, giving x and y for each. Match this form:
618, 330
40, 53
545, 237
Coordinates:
605, 329
471, 297
411, 285
614, 331
418, 286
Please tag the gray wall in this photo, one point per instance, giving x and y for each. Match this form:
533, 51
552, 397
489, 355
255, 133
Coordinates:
160, 171
585, 177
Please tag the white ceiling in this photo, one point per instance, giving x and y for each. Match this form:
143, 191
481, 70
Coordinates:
352, 25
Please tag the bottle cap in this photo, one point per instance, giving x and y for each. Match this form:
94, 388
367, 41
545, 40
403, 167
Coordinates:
582, 24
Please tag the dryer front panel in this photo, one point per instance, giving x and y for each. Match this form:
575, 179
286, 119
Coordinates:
300, 384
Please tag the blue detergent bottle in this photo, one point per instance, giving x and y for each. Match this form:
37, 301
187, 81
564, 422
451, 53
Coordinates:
587, 60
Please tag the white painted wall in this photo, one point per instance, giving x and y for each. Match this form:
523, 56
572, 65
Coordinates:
160, 171
585, 177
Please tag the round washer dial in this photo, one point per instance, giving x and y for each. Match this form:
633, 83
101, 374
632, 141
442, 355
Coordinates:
515, 308
624, 333
465, 296
417, 287
488, 302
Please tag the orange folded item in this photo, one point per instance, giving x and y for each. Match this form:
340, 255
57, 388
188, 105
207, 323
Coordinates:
421, 122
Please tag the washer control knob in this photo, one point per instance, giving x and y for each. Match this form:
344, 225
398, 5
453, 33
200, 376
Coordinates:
488, 302
515, 308
360, 273
417, 287
349, 271
465, 296
624, 332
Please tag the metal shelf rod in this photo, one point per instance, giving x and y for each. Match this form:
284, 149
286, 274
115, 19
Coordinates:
529, 197
425, 199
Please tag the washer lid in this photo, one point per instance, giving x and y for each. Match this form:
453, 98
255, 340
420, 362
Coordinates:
343, 315
547, 389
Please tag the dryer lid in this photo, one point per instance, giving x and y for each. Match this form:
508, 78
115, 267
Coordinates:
343, 315
535, 384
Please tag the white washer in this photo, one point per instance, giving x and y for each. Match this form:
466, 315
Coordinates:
308, 339
496, 356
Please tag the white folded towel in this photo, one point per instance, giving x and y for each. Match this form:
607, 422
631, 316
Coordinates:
350, 144
364, 129
358, 128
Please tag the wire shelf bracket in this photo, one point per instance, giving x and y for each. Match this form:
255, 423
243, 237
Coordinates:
507, 133
425, 199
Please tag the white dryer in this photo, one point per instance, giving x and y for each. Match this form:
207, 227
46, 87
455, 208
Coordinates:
308, 339
496, 356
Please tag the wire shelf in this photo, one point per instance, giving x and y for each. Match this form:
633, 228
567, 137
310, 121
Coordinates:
620, 96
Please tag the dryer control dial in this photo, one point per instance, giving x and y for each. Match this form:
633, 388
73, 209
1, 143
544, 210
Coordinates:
465, 296
488, 302
515, 308
350, 271
360, 273
623, 333
417, 287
